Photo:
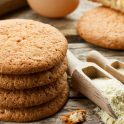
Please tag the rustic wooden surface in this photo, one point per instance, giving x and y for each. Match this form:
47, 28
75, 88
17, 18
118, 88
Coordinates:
11, 5
80, 48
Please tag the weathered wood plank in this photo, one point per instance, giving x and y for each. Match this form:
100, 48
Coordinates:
11, 5
70, 106
66, 25
74, 105
80, 48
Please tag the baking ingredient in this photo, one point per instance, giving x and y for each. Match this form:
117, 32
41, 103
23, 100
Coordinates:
101, 82
121, 70
107, 119
53, 8
7, 6
114, 92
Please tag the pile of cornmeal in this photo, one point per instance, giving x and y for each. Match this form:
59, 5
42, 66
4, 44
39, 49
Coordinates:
114, 92
33, 64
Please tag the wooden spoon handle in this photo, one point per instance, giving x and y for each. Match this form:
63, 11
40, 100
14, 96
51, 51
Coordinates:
73, 62
97, 58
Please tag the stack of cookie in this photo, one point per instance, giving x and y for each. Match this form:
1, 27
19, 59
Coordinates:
33, 82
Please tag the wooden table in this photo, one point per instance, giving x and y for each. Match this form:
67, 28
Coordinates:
80, 48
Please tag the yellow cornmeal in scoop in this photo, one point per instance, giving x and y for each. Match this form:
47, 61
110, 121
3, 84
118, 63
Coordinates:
115, 4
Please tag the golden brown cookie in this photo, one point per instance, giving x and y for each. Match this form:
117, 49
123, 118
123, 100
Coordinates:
33, 80
37, 112
75, 117
103, 27
28, 46
31, 97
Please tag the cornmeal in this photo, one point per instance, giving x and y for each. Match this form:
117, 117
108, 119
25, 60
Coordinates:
114, 92
121, 70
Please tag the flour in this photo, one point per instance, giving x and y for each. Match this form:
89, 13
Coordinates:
102, 83
109, 120
114, 92
121, 70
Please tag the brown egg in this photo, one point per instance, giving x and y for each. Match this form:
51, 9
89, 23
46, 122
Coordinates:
53, 8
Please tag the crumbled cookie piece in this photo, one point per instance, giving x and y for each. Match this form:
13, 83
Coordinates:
75, 117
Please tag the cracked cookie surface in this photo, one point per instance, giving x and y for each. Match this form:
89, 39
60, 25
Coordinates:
31, 97
36, 112
28, 46
103, 27
13, 82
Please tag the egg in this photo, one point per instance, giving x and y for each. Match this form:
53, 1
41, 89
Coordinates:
53, 8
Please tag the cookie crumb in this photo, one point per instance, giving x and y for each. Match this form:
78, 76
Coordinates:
75, 117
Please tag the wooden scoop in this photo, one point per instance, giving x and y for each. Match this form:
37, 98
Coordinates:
83, 75
114, 67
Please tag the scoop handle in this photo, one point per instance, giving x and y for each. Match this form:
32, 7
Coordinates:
73, 62
98, 58
81, 82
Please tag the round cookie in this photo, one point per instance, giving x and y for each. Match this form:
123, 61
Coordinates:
37, 112
103, 27
33, 80
28, 46
31, 97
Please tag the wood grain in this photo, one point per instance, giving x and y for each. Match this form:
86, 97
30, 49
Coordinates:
11, 5
71, 106
66, 25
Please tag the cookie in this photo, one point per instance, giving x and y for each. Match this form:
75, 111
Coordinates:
103, 27
33, 80
31, 97
28, 46
37, 112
